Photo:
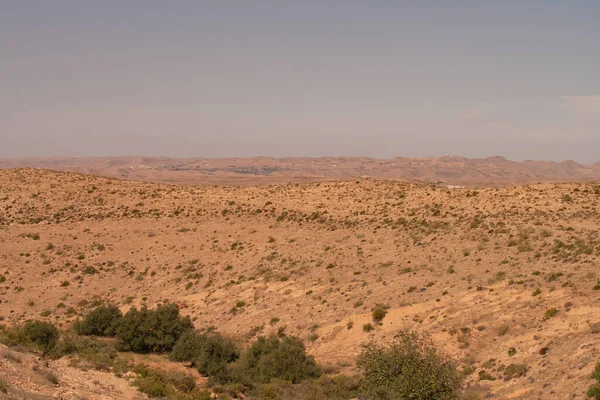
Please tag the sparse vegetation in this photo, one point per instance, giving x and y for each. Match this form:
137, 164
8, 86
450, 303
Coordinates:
510, 266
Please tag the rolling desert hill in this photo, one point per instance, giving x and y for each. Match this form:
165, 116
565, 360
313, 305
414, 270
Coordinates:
504, 279
492, 171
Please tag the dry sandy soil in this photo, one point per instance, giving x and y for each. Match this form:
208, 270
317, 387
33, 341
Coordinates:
478, 270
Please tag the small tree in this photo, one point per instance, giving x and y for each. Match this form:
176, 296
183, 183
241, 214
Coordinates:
210, 354
102, 321
145, 330
409, 368
41, 333
284, 359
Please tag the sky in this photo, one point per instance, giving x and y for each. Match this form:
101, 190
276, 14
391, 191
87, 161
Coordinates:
281, 78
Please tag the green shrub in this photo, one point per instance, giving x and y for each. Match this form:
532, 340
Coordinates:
550, 313
276, 358
368, 327
409, 368
210, 354
102, 321
514, 371
152, 385
170, 385
43, 334
145, 330
379, 313
594, 390
100, 355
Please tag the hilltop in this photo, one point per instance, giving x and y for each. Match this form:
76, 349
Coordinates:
447, 170
479, 270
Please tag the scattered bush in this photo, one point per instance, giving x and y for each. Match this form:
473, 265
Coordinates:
409, 368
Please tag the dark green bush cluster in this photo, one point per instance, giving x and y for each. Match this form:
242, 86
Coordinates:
102, 321
140, 331
267, 359
145, 330
210, 354
276, 358
409, 368
41, 334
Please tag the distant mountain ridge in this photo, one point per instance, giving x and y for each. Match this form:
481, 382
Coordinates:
452, 170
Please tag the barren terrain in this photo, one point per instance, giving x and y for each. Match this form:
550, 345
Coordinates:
479, 270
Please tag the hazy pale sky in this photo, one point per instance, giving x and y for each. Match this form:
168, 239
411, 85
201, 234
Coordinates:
279, 78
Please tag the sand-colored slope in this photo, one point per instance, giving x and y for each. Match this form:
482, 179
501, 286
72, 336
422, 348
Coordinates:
459, 264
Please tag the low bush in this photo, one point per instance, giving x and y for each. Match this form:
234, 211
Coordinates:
171, 385
152, 385
98, 355
379, 312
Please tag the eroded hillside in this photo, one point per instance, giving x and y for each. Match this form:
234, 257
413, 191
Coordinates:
498, 277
